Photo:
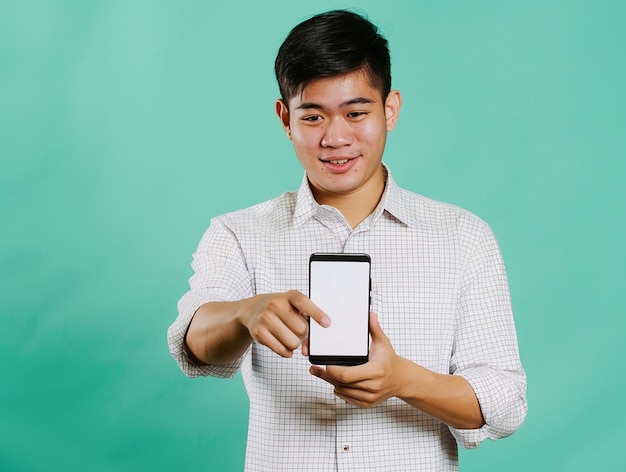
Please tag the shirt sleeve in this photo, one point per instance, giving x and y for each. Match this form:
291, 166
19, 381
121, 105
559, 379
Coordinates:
486, 351
220, 274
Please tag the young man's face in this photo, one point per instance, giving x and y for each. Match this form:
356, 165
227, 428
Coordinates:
339, 127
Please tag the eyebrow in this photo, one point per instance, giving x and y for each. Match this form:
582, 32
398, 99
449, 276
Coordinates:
352, 101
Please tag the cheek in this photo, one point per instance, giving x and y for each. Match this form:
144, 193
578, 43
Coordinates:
302, 148
372, 134
304, 141
305, 152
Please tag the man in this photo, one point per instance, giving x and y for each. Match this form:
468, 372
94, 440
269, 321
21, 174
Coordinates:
443, 366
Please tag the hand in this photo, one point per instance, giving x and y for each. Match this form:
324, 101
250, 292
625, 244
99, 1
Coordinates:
372, 383
280, 320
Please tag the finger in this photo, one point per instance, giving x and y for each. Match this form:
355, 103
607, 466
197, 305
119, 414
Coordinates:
340, 376
320, 372
295, 322
352, 375
353, 394
286, 323
273, 343
286, 337
359, 398
305, 347
376, 332
281, 309
273, 333
356, 394
306, 307
349, 399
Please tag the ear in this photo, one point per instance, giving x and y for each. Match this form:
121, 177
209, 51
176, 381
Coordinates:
283, 115
393, 103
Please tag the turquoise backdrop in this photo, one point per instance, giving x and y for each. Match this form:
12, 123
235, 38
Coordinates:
126, 125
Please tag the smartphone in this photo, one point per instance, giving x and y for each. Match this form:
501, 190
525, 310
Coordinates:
340, 285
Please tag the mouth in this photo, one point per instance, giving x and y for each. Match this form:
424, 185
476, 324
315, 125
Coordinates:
339, 165
338, 160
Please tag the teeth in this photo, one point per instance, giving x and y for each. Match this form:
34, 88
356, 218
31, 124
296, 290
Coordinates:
341, 161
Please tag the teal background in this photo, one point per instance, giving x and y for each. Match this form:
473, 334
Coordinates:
126, 125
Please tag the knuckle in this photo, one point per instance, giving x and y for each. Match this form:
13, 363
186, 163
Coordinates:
295, 296
343, 377
370, 400
287, 353
291, 345
257, 332
300, 328
273, 305
265, 317
262, 323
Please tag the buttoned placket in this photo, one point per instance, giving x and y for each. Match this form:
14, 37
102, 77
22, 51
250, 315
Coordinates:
351, 241
345, 437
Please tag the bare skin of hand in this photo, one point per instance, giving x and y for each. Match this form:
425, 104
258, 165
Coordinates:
369, 384
280, 321
220, 332
448, 398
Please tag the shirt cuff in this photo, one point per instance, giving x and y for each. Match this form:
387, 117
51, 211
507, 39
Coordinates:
176, 334
502, 399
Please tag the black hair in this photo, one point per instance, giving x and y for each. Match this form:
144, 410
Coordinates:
332, 43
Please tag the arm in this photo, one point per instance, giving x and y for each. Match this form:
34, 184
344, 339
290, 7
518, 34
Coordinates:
486, 352
220, 315
486, 395
448, 398
220, 332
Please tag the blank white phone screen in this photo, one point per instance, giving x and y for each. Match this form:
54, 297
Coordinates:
341, 290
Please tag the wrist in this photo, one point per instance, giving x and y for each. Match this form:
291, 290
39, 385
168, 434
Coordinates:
243, 314
413, 380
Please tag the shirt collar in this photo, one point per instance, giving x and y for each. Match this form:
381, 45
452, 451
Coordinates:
306, 206
391, 203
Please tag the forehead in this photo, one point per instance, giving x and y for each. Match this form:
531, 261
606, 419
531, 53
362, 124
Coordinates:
336, 90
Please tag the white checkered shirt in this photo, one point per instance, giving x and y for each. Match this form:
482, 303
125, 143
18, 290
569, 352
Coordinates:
440, 289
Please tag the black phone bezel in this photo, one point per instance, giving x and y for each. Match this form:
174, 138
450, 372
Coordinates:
349, 257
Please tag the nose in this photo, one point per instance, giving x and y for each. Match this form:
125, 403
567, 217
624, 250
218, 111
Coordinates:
336, 134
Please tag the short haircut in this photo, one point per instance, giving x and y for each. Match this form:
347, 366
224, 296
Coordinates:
328, 44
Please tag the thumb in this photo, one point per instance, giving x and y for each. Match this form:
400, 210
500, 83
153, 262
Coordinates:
376, 332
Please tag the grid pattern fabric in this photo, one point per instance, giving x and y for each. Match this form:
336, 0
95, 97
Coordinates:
440, 289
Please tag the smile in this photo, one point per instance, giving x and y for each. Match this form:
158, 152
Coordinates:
338, 162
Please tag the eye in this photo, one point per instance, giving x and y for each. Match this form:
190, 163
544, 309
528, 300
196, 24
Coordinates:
356, 114
312, 118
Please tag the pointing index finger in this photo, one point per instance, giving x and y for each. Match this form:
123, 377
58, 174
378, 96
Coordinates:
307, 307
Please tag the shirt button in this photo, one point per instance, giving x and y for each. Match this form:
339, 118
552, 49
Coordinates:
346, 448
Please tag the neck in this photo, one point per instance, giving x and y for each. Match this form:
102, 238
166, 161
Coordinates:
358, 204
